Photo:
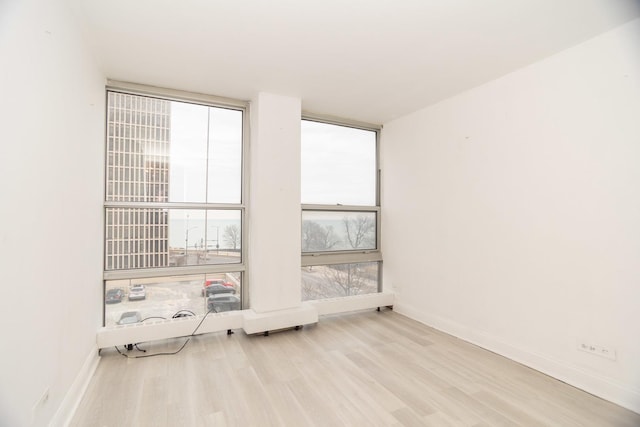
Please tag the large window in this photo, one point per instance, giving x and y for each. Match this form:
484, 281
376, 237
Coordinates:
174, 210
340, 210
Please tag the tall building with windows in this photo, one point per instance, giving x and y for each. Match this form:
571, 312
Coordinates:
138, 138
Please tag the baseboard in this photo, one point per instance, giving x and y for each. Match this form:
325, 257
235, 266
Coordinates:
603, 387
352, 303
72, 399
170, 328
255, 323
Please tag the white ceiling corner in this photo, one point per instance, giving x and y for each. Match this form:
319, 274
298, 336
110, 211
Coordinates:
370, 60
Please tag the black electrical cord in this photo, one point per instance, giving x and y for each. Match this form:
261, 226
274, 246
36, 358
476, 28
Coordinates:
152, 317
168, 353
183, 313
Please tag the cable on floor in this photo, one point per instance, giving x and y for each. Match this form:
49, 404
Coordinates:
173, 352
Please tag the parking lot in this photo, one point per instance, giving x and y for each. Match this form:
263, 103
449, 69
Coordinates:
167, 296
163, 299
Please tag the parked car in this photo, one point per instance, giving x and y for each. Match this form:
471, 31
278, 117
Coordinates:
210, 282
114, 295
215, 282
137, 292
223, 302
218, 289
129, 317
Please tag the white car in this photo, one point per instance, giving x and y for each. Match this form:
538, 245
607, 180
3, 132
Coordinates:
129, 317
137, 292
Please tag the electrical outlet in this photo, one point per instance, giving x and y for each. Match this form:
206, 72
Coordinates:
598, 350
607, 352
587, 347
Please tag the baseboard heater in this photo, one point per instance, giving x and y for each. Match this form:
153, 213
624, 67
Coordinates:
262, 323
162, 329
353, 303
249, 320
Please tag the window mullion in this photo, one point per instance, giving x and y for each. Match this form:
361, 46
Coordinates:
340, 208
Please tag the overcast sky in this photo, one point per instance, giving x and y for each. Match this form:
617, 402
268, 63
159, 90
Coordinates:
338, 167
206, 154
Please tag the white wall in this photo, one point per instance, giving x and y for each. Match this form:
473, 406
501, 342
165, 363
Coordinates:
512, 214
274, 203
51, 163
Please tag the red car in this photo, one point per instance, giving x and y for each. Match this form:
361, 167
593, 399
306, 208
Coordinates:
218, 282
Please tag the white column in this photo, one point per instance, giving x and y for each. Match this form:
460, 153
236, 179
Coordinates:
274, 203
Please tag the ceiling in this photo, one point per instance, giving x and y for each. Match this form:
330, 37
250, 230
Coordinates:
367, 60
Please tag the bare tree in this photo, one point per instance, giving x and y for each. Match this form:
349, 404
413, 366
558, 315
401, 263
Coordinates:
360, 231
329, 281
312, 290
338, 280
231, 236
315, 237
346, 279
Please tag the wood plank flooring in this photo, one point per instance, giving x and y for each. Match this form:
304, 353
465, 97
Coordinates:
361, 369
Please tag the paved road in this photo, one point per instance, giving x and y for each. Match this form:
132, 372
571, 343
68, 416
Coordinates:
162, 299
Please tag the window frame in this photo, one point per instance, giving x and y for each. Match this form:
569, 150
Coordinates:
348, 256
152, 272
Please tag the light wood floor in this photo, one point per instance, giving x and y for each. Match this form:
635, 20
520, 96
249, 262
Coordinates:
362, 369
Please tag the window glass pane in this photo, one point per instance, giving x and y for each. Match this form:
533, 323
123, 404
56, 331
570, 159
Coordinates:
188, 148
152, 237
225, 152
338, 165
339, 280
168, 151
142, 300
337, 231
